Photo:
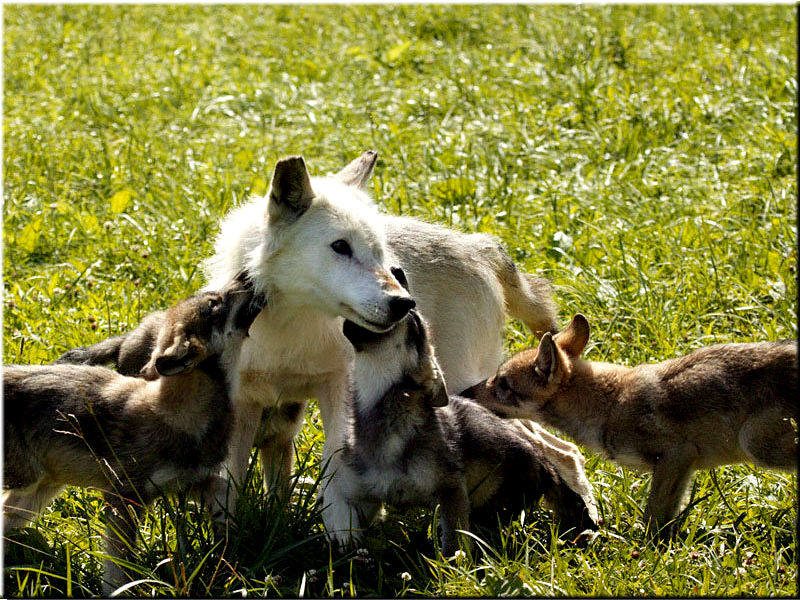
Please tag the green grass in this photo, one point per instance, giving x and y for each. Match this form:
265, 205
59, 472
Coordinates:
643, 158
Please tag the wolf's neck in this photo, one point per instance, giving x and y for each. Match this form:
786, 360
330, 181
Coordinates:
584, 408
372, 378
227, 368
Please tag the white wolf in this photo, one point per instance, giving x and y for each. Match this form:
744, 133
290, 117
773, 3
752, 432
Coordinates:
322, 252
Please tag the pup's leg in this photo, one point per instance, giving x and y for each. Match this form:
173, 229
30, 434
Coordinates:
20, 507
769, 440
343, 525
279, 426
214, 493
671, 477
454, 514
101, 353
121, 519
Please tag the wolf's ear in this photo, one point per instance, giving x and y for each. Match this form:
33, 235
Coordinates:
400, 275
438, 393
359, 171
183, 356
290, 192
574, 338
546, 362
435, 387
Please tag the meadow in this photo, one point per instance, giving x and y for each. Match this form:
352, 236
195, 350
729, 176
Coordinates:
642, 158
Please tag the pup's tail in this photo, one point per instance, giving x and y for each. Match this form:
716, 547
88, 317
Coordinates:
101, 353
529, 299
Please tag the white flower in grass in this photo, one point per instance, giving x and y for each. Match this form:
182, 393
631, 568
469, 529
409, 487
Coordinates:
405, 576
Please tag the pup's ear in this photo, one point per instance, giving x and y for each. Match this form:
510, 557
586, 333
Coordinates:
359, 171
183, 356
432, 384
574, 338
546, 363
438, 393
290, 192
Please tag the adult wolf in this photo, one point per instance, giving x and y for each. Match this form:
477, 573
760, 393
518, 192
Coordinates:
322, 252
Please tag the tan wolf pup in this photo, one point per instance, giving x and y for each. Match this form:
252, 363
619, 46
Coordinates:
719, 405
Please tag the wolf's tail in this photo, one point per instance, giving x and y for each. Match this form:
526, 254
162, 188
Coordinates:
529, 299
101, 353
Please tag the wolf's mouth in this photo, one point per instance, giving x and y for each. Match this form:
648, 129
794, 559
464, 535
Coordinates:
356, 318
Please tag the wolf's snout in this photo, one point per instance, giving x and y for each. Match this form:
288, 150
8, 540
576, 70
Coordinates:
399, 307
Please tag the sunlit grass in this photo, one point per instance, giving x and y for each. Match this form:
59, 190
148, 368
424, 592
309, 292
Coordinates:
643, 158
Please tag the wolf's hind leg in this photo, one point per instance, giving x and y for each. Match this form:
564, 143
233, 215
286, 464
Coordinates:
770, 440
279, 427
454, 514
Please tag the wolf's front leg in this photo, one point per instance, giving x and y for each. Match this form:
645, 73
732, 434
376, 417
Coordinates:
334, 408
247, 416
342, 519
454, 514
671, 477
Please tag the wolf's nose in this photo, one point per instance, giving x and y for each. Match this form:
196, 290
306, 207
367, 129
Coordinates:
399, 307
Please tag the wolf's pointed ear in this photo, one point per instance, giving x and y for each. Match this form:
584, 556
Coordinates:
574, 338
290, 192
183, 356
359, 171
438, 393
546, 362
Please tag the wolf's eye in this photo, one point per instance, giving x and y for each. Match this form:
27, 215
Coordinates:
342, 247
213, 304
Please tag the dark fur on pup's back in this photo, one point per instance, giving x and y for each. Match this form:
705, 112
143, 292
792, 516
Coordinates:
719, 405
411, 443
130, 437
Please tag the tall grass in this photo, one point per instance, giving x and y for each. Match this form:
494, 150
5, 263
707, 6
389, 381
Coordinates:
643, 158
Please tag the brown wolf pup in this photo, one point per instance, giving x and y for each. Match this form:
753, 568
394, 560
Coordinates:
719, 405
132, 438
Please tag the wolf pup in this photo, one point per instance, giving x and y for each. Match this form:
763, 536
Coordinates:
411, 444
90, 426
723, 404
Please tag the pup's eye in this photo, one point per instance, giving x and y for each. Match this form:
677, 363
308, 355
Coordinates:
502, 385
342, 247
214, 303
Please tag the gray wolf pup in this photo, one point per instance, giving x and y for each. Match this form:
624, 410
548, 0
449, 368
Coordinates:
130, 437
719, 405
412, 444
